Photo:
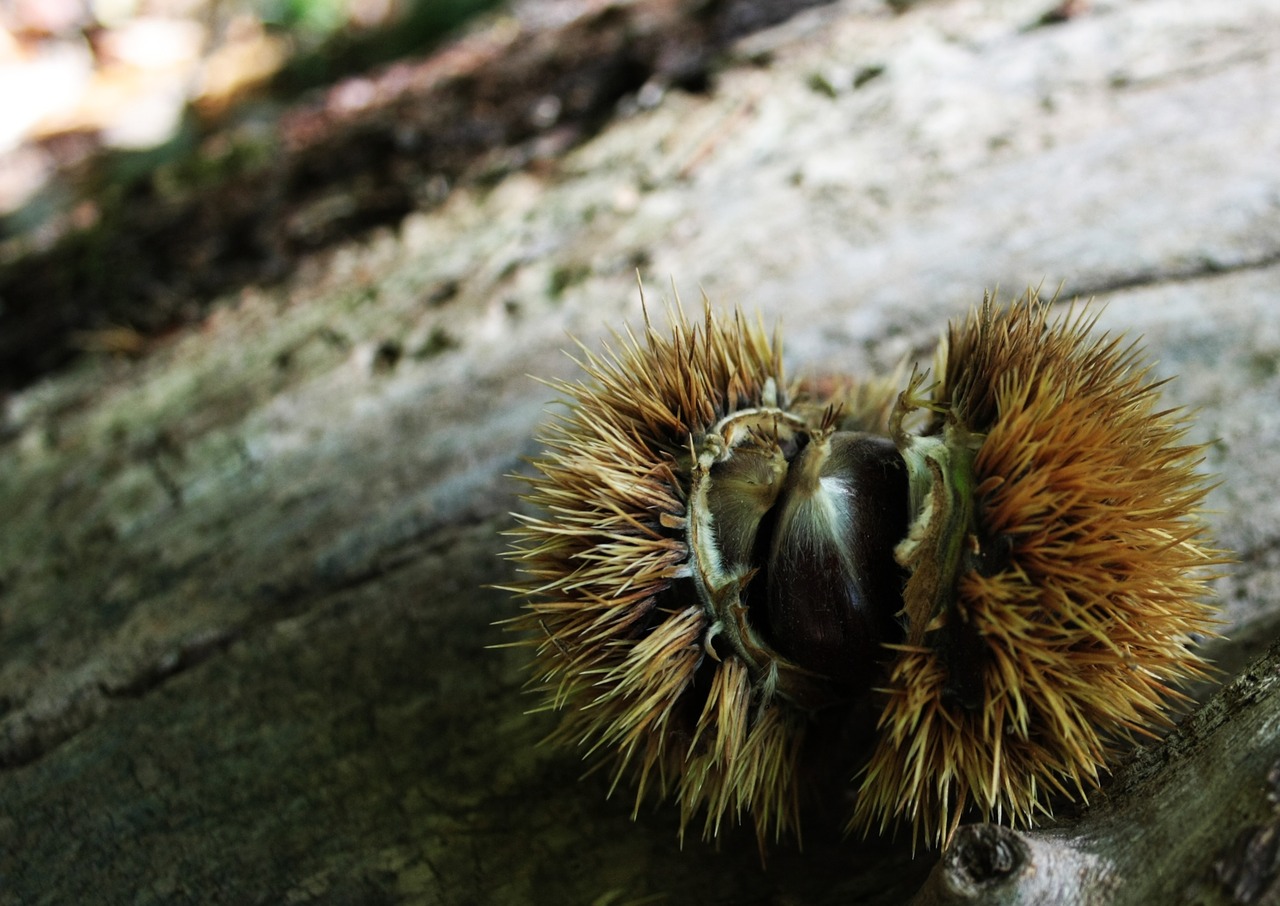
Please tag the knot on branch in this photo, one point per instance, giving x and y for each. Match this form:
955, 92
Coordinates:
999, 866
983, 856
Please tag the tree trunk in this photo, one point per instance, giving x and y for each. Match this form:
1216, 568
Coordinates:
247, 580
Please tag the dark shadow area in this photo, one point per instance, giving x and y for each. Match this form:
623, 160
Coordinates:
423, 27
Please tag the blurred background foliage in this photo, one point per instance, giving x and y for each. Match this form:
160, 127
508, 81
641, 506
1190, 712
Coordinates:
121, 86
156, 155
144, 161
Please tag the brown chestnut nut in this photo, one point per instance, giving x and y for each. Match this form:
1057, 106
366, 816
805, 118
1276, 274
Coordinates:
833, 585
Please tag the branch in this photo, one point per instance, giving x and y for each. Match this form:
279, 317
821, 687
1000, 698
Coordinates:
1195, 819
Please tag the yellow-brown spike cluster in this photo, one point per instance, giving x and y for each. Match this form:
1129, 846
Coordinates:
622, 641
724, 568
1080, 590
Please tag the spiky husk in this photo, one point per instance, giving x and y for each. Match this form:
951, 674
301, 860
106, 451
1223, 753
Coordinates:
1084, 587
620, 636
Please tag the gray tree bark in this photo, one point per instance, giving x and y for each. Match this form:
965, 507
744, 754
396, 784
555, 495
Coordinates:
246, 582
1194, 820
